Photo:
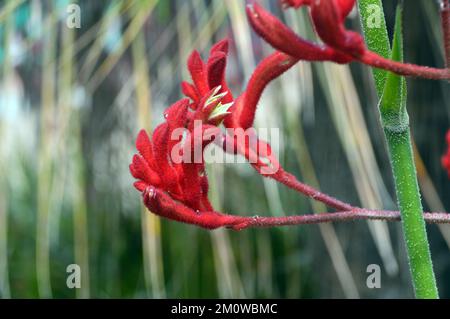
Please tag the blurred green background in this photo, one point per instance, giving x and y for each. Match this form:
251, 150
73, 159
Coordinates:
73, 99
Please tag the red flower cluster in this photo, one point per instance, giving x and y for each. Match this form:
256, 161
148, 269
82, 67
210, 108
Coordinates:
445, 160
170, 166
178, 189
340, 45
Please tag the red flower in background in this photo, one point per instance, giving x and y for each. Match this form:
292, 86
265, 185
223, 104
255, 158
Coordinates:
340, 44
445, 160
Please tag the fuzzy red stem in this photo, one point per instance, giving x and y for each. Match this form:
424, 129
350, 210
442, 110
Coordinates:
344, 216
291, 181
406, 69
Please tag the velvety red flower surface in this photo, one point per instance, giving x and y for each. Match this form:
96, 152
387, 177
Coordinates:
445, 160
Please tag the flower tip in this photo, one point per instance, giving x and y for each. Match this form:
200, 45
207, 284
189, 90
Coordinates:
142, 135
250, 9
221, 46
140, 186
447, 137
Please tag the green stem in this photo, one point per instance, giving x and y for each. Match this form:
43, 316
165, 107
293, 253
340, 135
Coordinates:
391, 89
411, 210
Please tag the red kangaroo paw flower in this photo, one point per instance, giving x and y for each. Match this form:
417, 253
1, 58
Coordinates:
341, 45
178, 190
283, 38
328, 17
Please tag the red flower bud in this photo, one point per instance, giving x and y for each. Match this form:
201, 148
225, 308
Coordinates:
445, 160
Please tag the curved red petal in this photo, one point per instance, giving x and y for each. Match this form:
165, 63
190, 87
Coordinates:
168, 173
144, 147
140, 170
217, 62
140, 186
190, 91
197, 70
283, 38
221, 46
328, 21
267, 70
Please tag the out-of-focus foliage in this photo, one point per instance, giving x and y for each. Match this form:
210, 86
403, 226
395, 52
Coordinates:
73, 100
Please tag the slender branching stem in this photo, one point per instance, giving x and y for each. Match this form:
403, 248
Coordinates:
343, 216
405, 69
291, 181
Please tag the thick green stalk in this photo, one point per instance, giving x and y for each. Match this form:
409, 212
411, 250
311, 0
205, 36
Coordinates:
395, 121
413, 223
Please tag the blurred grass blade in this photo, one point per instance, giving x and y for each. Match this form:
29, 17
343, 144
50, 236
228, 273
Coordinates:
144, 9
150, 223
45, 162
70, 123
